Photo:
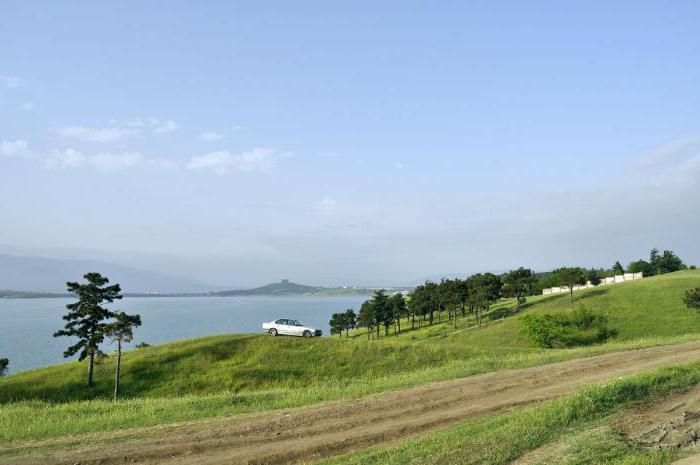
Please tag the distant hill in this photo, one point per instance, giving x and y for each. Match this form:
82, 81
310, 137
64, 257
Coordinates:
283, 287
50, 275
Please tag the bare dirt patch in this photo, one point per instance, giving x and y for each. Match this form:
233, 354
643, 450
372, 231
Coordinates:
693, 460
673, 422
312, 433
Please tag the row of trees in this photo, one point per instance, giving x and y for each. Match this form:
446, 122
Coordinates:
344, 321
659, 263
384, 311
90, 322
430, 302
455, 298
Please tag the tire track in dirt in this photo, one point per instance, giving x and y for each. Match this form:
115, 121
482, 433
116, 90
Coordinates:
312, 433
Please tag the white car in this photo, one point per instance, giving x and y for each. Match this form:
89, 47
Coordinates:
290, 328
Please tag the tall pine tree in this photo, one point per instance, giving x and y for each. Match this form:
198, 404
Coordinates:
86, 317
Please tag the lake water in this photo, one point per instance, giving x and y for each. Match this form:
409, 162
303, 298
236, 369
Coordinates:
27, 325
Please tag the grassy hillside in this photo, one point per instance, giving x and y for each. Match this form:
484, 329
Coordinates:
236, 373
636, 309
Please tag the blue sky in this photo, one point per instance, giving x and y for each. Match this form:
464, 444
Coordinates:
349, 143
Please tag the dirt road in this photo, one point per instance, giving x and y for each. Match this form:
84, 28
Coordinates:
311, 433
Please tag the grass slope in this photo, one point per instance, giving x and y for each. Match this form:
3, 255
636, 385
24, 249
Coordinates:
237, 373
648, 307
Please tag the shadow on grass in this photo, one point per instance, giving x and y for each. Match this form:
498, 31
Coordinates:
545, 300
589, 294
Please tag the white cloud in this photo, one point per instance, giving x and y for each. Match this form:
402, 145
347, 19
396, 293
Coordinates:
260, 159
326, 204
88, 134
117, 130
106, 162
10, 148
65, 159
165, 127
675, 165
210, 136
11, 82
671, 153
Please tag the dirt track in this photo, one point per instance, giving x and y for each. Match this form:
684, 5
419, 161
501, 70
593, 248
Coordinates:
312, 433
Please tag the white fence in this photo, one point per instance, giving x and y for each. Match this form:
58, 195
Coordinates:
621, 278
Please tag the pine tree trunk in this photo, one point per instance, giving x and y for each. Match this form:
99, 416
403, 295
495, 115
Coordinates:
117, 371
91, 365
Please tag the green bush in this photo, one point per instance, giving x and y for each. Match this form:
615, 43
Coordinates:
566, 329
692, 298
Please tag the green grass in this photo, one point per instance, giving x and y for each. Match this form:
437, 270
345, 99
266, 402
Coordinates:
651, 306
222, 375
35, 419
501, 438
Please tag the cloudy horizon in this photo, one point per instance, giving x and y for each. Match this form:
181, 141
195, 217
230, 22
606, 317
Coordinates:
333, 145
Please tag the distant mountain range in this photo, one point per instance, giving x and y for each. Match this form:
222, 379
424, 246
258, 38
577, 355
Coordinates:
284, 287
24, 277
50, 275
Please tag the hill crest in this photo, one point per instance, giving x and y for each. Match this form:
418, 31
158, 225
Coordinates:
284, 287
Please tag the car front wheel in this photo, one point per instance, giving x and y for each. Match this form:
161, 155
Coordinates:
273, 332
307, 334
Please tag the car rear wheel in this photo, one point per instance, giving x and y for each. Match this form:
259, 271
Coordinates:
273, 332
307, 334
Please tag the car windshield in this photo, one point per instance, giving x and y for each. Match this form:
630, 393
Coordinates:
296, 323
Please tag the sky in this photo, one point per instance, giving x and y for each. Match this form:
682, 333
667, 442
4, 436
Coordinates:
354, 143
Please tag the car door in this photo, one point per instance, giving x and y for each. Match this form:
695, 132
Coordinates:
282, 326
296, 328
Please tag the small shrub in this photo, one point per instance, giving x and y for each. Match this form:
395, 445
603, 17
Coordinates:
567, 329
692, 298
692, 267
4, 363
544, 330
142, 345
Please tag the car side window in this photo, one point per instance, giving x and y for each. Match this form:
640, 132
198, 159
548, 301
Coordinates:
279, 322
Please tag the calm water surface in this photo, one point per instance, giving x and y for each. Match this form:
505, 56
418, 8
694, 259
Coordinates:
27, 325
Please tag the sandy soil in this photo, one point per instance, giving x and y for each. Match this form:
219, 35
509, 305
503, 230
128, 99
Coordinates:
311, 433
694, 460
